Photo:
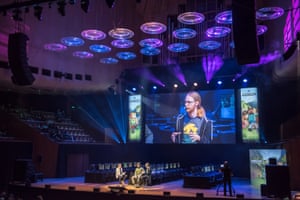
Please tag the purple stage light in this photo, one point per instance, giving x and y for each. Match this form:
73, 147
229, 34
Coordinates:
122, 44
224, 17
149, 51
126, 55
99, 48
209, 45
55, 47
191, 18
121, 33
265, 59
176, 70
148, 75
184, 33
153, 28
261, 29
83, 54
93, 34
109, 60
211, 64
72, 41
151, 42
178, 47
269, 13
218, 31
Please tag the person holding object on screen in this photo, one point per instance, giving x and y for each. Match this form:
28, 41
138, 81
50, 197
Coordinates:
192, 127
120, 174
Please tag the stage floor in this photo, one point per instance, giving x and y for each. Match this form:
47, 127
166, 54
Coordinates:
241, 187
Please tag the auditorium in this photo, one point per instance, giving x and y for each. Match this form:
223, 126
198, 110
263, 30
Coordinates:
148, 99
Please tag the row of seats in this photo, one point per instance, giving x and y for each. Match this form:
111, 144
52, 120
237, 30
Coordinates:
55, 125
161, 172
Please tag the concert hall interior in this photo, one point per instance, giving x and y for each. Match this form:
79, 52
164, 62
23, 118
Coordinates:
187, 86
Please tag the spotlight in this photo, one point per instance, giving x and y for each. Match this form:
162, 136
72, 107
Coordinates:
16, 15
195, 84
175, 85
134, 89
245, 80
61, 7
110, 3
38, 12
219, 82
154, 87
85, 5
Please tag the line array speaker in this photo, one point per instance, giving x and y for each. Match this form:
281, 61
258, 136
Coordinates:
17, 58
244, 31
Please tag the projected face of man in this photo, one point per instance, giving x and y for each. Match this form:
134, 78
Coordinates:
191, 106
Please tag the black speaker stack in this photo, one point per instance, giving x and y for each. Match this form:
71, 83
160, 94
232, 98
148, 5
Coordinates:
17, 59
244, 31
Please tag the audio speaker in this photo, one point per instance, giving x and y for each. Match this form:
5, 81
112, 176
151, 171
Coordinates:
17, 59
244, 31
278, 181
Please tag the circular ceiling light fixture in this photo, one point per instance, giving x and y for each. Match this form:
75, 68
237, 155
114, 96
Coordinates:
209, 45
150, 51
153, 28
109, 60
122, 43
184, 33
217, 31
261, 29
224, 17
72, 41
93, 34
151, 42
269, 13
178, 47
83, 54
55, 47
126, 55
99, 48
121, 33
191, 18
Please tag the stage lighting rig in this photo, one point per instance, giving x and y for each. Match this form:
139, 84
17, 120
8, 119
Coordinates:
61, 7
38, 12
85, 5
110, 3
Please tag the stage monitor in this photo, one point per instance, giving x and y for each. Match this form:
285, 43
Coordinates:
170, 112
259, 158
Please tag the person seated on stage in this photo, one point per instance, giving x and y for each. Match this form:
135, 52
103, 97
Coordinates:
137, 175
120, 174
146, 177
227, 173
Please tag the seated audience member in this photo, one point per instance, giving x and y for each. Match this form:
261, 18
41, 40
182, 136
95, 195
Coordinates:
120, 174
146, 177
137, 175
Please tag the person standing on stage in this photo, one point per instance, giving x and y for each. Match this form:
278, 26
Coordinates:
138, 172
192, 127
227, 174
120, 174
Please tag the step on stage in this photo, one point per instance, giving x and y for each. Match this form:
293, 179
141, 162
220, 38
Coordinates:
76, 188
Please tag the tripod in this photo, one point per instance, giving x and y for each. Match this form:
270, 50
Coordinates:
220, 188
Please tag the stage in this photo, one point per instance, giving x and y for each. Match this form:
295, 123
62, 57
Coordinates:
242, 187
